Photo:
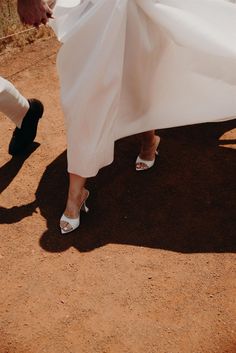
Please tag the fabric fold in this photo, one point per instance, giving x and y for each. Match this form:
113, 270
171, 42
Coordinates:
128, 66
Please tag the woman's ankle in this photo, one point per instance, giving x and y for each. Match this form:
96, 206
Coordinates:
150, 146
74, 201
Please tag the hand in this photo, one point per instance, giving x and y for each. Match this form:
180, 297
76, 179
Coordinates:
34, 12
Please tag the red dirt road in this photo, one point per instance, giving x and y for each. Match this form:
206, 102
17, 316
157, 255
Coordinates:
152, 267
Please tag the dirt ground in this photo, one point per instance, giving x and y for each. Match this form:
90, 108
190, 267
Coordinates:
152, 267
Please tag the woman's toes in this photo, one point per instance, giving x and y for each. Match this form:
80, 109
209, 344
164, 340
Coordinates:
141, 166
65, 226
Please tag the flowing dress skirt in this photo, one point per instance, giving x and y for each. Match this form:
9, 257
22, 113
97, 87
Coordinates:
129, 66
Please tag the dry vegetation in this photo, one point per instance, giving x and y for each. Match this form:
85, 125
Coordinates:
9, 24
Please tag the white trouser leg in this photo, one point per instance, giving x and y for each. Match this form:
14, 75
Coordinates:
12, 103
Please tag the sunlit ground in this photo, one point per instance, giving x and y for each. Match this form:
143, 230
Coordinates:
228, 139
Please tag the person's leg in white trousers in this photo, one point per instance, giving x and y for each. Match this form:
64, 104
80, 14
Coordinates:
12, 103
24, 113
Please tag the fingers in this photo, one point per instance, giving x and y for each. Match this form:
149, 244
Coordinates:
36, 15
49, 15
46, 14
26, 21
44, 19
37, 24
48, 10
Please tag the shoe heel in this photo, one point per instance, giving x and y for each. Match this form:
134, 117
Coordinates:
85, 208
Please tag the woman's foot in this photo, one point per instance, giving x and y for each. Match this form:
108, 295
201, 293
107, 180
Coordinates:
70, 219
148, 153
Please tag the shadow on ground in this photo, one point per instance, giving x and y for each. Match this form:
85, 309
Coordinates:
7, 173
186, 203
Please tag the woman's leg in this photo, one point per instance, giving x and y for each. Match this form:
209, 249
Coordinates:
149, 145
77, 194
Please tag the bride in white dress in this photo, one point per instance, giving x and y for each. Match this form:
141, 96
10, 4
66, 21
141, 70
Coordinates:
132, 66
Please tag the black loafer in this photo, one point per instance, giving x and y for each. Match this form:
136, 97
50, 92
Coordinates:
22, 138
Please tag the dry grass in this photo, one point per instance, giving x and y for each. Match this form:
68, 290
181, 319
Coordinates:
10, 24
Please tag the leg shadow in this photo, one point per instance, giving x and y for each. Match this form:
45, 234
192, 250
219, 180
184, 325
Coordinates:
9, 170
186, 203
7, 173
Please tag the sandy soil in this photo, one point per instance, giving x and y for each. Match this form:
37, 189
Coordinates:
152, 267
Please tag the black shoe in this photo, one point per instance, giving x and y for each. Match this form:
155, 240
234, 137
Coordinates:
22, 138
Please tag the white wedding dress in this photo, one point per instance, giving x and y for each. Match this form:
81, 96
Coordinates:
128, 66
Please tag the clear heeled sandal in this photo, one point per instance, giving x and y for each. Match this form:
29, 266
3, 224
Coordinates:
143, 164
73, 223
